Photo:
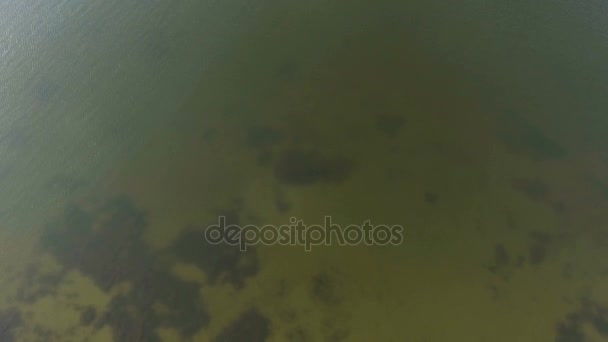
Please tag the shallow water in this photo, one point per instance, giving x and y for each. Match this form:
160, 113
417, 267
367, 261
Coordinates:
127, 129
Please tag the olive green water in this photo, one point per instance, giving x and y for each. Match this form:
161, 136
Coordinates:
479, 128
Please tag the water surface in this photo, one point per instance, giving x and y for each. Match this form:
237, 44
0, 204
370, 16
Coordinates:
128, 128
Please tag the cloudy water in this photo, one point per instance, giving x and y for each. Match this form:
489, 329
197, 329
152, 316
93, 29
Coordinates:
412, 172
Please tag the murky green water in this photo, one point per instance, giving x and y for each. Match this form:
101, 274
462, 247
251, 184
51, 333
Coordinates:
129, 128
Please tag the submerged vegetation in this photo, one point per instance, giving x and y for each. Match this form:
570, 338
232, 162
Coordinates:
106, 245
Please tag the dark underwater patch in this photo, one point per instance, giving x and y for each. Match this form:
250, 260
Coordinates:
537, 252
220, 262
501, 258
36, 284
431, 198
263, 136
10, 320
538, 191
282, 204
389, 124
263, 139
106, 244
46, 334
303, 167
533, 188
591, 313
324, 289
251, 326
88, 315
528, 140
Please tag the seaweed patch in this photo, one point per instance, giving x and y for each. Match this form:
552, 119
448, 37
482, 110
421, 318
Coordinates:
222, 263
36, 284
106, 244
576, 325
